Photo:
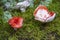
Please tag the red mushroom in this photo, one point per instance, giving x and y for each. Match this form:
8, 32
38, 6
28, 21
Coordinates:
16, 22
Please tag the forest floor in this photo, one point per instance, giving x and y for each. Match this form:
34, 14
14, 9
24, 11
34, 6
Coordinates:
32, 29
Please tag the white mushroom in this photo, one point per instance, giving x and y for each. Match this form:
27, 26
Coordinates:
42, 14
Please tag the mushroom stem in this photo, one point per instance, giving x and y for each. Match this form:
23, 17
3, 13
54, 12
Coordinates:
15, 29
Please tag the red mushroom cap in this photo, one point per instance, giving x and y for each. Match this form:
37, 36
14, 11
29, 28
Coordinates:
40, 7
16, 22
